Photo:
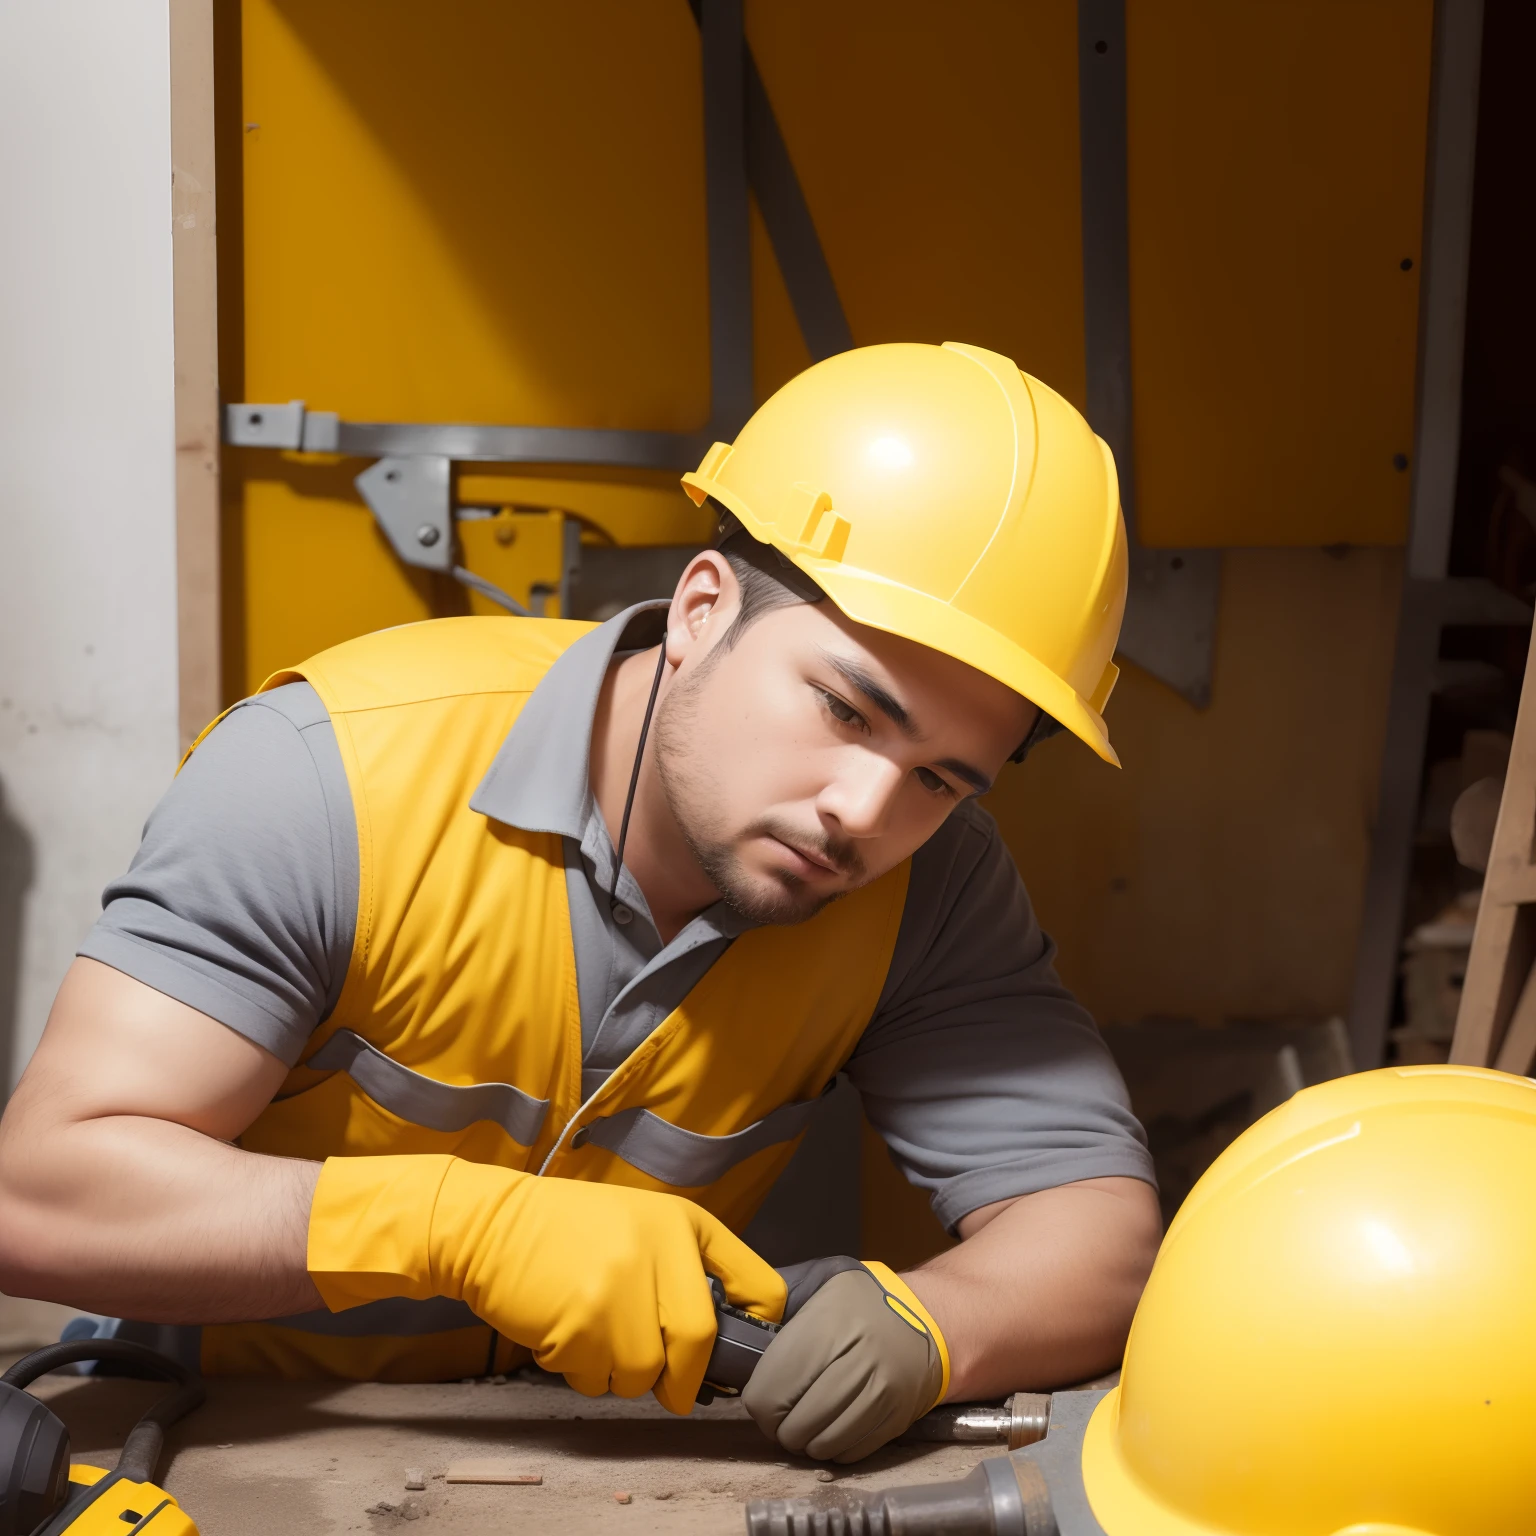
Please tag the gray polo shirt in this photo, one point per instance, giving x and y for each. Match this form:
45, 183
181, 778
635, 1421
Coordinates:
983, 1074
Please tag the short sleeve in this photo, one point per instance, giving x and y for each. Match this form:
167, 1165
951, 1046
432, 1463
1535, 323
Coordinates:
242, 898
985, 1076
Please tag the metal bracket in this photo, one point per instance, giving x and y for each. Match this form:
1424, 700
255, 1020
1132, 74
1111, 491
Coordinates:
281, 426
265, 426
411, 501
253, 426
1170, 616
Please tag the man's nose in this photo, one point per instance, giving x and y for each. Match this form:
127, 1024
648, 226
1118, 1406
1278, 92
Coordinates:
863, 794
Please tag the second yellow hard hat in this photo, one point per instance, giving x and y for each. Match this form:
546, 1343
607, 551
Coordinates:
940, 494
1338, 1336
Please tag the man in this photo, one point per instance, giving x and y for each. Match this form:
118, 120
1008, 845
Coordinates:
464, 903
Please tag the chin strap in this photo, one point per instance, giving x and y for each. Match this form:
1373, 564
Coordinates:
634, 777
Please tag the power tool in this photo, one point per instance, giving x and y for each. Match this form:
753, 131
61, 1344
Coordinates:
740, 1338
41, 1494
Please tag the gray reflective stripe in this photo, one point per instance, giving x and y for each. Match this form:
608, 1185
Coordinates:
425, 1101
394, 1317
685, 1158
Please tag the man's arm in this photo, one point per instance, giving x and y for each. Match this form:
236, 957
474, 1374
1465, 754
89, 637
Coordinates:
992, 1089
119, 1190
217, 953
120, 1193
1071, 1262
1039, 1294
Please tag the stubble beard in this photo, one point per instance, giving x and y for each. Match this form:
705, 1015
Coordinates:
691, 792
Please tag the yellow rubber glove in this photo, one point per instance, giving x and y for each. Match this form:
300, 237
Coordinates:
606, 1285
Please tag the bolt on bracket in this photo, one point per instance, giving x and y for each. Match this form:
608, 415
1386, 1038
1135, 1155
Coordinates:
411, 501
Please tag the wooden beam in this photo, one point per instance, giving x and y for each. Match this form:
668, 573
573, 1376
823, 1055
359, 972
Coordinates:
193, 236
1498, 998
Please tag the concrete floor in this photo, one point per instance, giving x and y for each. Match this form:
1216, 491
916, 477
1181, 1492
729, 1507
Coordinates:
296, 1459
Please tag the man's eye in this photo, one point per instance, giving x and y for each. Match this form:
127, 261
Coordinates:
932, 782
841, 710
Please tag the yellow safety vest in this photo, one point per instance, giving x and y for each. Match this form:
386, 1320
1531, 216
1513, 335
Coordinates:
458, 1027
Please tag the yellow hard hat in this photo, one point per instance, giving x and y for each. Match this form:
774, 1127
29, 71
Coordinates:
1338, 1337
941, 494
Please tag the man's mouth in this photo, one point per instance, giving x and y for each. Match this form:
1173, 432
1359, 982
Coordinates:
806, 864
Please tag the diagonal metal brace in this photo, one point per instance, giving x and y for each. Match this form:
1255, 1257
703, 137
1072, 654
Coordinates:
1170, 615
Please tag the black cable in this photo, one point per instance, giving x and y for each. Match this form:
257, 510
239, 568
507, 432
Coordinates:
51, 1356
141, 1450
634, 777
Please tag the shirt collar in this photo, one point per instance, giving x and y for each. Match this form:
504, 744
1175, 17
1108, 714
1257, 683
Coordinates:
538, 780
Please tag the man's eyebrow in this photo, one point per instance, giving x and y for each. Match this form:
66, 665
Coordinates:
978, 781
882, 698
895, 711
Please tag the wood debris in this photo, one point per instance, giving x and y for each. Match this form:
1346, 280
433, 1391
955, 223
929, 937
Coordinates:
490, 1469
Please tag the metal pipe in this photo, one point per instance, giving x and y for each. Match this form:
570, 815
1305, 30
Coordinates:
1019, 1420
1002, 1496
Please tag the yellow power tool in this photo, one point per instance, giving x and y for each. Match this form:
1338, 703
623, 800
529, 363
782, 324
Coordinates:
41, 1494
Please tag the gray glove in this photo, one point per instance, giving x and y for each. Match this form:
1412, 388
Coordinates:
851, 1369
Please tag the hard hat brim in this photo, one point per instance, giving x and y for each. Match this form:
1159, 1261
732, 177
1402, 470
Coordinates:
899, 610
1119, 1502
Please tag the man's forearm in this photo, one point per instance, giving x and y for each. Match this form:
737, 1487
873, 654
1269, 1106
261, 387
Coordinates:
139, 1218
1041, 1290
120, 1191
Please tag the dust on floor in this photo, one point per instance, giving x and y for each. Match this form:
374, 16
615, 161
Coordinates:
295, 1459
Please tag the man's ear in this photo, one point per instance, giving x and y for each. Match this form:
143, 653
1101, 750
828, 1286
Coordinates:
703, 605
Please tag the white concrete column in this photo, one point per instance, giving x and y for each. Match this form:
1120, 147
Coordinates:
87, 526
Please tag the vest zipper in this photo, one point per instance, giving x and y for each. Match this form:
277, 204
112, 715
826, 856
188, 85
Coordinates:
560, 1139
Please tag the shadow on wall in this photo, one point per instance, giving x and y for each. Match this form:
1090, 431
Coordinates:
16, 870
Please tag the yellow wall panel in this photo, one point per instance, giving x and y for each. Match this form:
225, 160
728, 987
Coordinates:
938, 151
519, 551
469, 212
476, 211
1276, 185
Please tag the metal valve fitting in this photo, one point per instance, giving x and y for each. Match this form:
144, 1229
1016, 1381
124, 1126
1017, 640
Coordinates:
1019, 1420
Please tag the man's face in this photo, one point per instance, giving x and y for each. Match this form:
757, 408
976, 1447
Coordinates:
816, 753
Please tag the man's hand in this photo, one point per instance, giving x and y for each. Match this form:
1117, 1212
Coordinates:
119, 1191
1038, 1294
856, 1363
606, 1285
